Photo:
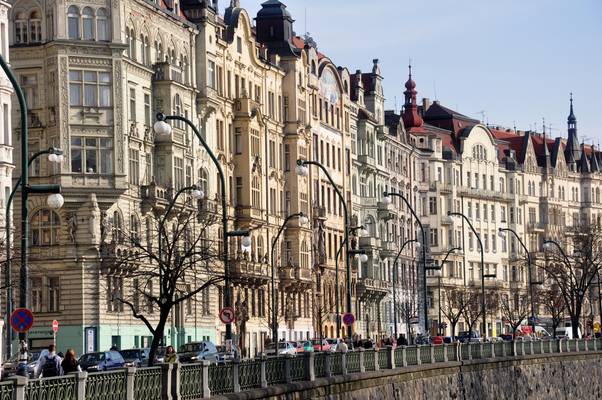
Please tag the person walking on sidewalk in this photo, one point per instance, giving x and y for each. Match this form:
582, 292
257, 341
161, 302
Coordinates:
70, 363
49, 365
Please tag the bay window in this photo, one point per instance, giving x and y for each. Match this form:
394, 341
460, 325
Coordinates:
91, 155
89, 88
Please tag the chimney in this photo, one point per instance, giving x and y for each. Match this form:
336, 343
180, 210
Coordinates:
426, 103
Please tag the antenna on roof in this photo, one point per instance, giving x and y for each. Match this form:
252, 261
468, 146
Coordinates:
514, 123
543, 123
395, 106
482, 113
435, 89
305, 21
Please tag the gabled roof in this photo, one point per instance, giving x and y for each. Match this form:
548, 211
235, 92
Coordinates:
437, 112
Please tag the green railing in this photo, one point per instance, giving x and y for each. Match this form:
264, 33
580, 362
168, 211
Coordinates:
191, 382
320, 365
107, 385
298, 365
56, 388
6, 391
200, 380
353, 362
221, 379
249, 374
274, 371
369, 360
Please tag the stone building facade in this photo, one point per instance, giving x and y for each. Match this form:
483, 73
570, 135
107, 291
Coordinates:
95, 74
6, 90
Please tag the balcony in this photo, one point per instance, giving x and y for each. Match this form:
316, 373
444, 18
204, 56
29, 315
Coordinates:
369, 243
535, 227
370, 289
294, 278
155, 196
387, 249
386, 211
441, 187
250, 271
381, 132
118, 258
367, 162
168, 72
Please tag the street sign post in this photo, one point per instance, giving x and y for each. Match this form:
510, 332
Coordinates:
348, 319
226, 315
55, 329
21, 320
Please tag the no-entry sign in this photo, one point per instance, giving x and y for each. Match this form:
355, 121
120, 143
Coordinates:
55, 326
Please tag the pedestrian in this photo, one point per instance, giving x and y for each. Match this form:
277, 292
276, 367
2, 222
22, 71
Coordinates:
342, 346
50, 364
170, 355
70, 363
23, 360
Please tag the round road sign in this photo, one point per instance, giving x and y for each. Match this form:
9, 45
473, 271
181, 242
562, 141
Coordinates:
55, 326
21, 320
348, 319
226, 315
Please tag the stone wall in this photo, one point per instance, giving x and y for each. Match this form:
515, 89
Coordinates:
553, 377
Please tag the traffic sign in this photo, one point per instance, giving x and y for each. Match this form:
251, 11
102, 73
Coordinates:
596, 327
21, 320
348, 319
226, 315
55, 326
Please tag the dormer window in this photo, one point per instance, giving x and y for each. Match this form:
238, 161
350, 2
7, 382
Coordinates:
28, 27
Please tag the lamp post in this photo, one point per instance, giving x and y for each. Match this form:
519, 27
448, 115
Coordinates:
162, 128
304, 221
502, 234
395, 279
303, 170
438, 271
54, 155
483, 275
337, 300
55, 200
387, 200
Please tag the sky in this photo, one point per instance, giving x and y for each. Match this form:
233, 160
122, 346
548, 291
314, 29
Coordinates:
512, 61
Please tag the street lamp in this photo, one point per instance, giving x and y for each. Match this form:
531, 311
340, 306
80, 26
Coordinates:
362, 232
26, 189
303, 220
532, 284
162, 128
483, 275
58, 158
388, 200
438, 272
303, 170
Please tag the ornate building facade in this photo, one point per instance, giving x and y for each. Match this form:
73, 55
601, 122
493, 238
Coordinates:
95, 74
6, 90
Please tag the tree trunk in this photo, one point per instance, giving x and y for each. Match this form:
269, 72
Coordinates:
158, 336
575, 325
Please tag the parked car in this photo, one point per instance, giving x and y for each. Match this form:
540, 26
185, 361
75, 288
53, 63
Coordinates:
198, 351
101, 361
223, 356
10, 367
566, 332
506, 337
437, 340
321, 345
283, 348
135, 357
466, 336
307, 346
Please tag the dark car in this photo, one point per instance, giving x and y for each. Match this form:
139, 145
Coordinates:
102, 361
466, 336
10, 367
198, 351
135, 357
506, 337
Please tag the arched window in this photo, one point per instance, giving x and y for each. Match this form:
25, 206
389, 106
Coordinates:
21, 30
131, 39
255, 193
88, 23
73, 22
185, 70
143, 49
204, 180
159, 51
260, 252
134, 228
44, 227
102, 25
117, 227
35, 27
177, 110
313, 67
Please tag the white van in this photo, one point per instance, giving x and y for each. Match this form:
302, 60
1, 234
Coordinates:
566, 332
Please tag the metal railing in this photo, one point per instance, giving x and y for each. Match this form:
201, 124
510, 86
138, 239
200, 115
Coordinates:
200, 380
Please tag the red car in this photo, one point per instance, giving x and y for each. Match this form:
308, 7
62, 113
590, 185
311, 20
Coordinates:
321, 345
437, 340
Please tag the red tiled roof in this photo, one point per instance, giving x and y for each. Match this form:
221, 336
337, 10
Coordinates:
299, 43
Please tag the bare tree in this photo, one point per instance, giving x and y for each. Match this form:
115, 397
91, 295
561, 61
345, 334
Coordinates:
178, 256
554, 305
574, 272
454, 306
515, 312
408, 310
471, 311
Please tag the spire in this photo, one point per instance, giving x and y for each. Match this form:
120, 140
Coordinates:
411, 118
594, 165
583, 164
572, 151
546, 153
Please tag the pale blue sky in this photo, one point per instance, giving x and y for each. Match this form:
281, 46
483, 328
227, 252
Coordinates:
515, 59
